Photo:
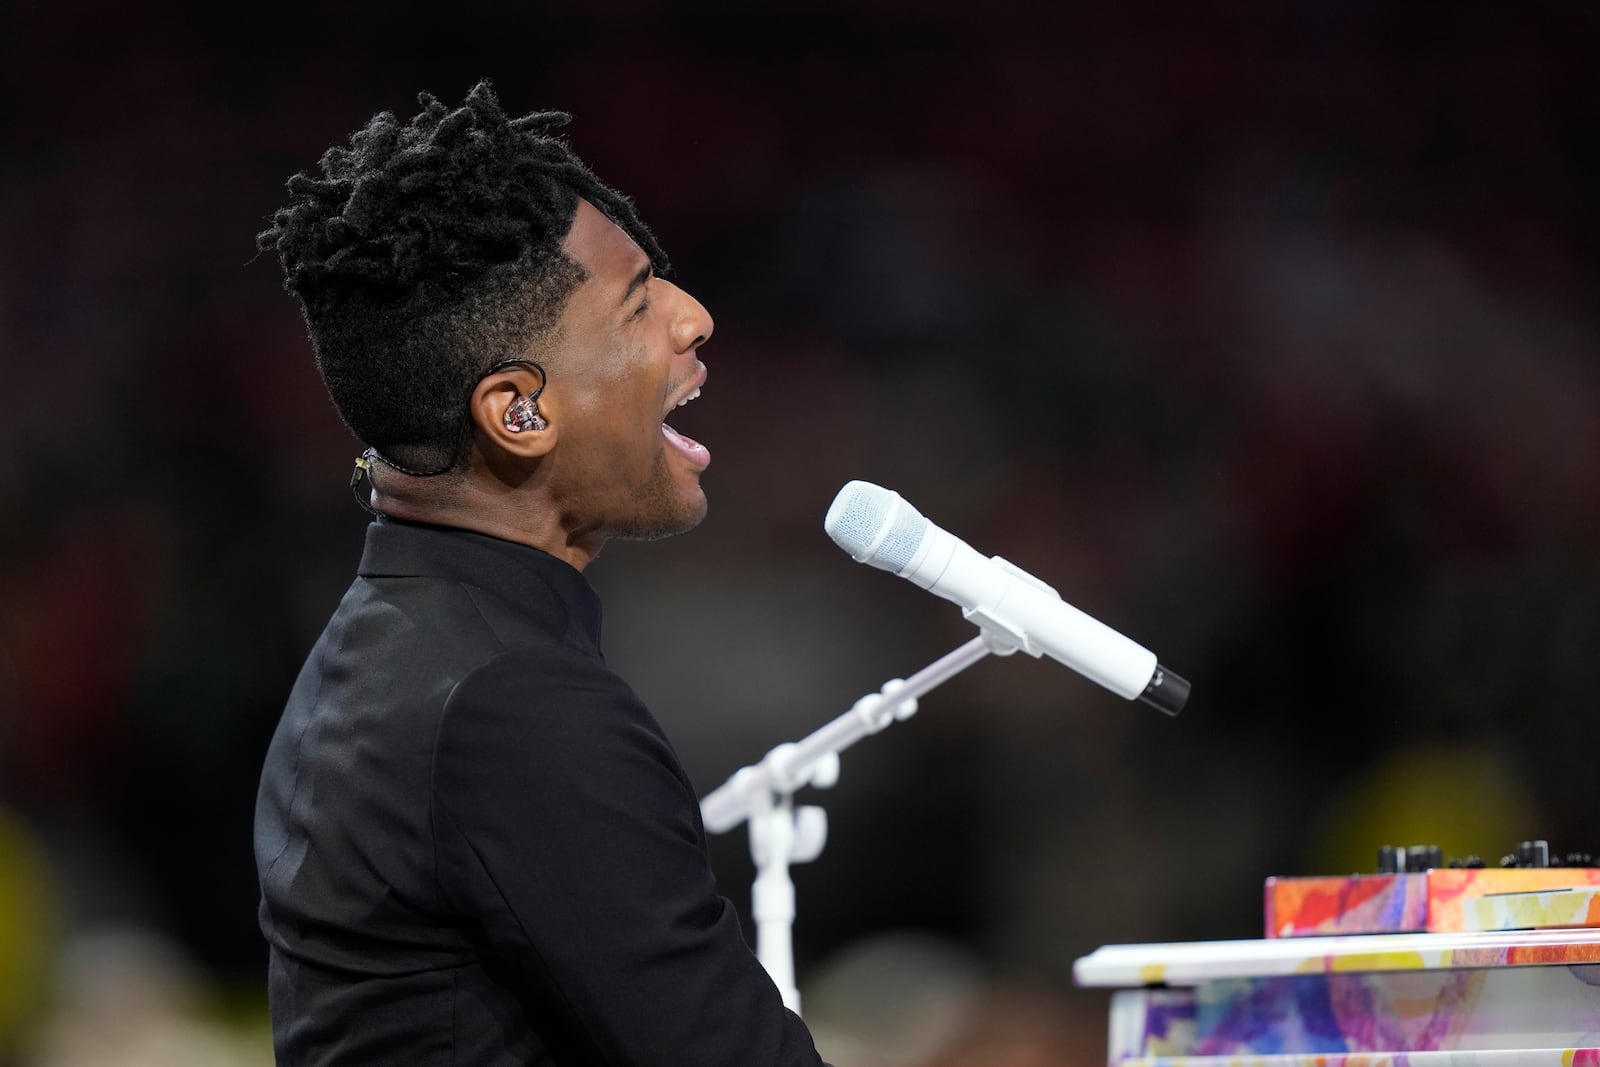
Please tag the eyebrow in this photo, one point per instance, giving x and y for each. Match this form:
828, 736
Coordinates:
638, 280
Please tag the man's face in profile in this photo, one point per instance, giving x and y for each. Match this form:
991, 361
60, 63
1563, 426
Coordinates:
623, 355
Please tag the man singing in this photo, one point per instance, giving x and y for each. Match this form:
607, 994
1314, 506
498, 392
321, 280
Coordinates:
475, 844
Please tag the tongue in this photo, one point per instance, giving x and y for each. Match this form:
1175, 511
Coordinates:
692, 450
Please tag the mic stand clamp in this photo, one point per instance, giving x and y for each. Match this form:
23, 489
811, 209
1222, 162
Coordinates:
780, 835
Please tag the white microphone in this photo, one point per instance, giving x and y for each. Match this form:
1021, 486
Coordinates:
876, 526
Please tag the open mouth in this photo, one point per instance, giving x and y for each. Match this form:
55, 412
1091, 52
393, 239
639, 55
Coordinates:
693, 451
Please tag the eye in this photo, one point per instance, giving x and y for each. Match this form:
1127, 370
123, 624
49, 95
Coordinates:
644, 305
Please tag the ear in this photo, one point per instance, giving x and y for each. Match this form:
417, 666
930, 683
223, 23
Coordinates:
492, 399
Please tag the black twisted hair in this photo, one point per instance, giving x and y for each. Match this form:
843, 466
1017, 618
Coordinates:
428, 252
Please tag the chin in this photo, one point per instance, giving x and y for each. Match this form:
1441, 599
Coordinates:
666, 517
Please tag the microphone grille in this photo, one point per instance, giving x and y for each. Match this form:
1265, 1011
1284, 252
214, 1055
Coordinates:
875, 525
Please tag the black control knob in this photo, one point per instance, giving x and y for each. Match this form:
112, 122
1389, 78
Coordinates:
1391, 860
1421, 858
1528, 854
1466, 861
1533, 854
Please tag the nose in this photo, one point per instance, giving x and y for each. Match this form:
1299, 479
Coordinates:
691, 322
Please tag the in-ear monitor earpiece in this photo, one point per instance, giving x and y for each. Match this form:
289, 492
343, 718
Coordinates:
523, 414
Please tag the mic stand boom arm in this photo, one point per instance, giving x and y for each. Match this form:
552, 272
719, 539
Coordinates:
780, 834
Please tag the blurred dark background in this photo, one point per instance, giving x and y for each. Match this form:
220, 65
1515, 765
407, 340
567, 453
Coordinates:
1266, 332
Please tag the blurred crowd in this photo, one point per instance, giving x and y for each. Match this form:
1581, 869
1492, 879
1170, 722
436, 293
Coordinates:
1265, 332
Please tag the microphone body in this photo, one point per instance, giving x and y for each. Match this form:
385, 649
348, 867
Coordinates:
877, 526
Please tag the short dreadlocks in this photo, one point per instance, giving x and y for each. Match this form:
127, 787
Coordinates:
428, 252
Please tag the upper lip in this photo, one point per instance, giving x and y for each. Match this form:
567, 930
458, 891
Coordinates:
694, 383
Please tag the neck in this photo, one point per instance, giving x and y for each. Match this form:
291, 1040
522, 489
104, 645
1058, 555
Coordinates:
490, 507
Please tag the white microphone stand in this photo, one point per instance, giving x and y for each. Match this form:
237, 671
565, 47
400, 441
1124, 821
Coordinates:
780, 833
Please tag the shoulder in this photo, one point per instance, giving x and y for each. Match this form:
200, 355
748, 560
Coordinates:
542, 678
539, 730
551, 704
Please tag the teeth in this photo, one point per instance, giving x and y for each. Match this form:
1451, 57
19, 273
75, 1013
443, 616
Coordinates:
688, 398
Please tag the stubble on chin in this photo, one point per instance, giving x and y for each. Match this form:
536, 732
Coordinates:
660, 508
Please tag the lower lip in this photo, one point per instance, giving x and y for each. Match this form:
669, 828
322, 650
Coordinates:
693, 451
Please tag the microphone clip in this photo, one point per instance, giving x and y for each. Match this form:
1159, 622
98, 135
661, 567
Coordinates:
1005, 637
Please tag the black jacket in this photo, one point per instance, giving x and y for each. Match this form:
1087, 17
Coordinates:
476, 846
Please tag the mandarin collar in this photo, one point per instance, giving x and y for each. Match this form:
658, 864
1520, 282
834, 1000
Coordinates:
520, 573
